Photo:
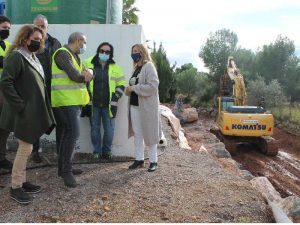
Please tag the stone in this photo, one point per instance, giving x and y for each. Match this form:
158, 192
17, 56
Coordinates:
291, 206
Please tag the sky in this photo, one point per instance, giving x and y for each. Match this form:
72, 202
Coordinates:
183, 26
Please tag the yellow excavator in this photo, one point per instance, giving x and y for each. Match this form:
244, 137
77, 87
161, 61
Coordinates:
238, 123
244, 124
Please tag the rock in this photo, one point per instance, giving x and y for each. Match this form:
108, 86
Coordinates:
190, 115
105, 198
218, 150
291, 206
54, 219
245, 174
263, 185
174, 136
106, 208
163, 216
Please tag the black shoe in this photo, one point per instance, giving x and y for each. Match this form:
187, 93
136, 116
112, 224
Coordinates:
152, 167
36, 157
31, 188
74, 171
77, 171
20, 196
5, 164
106, 155
136, 164
69, 180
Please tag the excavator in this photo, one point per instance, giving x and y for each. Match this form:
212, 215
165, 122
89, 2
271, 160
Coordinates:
244, 124
238, 123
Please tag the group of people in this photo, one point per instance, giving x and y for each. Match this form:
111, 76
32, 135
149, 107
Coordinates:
45, 85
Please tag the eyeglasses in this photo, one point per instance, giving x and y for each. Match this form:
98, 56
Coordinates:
107, 52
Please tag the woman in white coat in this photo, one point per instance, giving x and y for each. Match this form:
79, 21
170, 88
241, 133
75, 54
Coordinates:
144, 114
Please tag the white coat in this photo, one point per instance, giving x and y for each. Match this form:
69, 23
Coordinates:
147, 91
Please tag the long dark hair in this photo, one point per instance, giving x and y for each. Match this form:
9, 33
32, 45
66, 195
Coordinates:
95, 60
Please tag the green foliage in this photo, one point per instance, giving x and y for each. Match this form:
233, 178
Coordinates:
207, 88
129, 12
287, 114
245, 61
165, 74
273, 61
244, 219
215, 52
186, 78
259, 93
292, 83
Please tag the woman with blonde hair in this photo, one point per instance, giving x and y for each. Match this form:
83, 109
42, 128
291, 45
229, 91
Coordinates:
144, 115
27, 110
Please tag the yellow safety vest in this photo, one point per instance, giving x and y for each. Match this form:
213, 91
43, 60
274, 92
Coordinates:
4, 53
64, 91
115, 80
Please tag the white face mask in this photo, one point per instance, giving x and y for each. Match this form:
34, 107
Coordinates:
83, 49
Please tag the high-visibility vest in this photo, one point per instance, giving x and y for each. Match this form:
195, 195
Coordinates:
64, 91
4, 53
116, 81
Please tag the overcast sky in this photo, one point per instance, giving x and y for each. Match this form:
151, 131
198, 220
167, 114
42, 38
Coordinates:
183, 26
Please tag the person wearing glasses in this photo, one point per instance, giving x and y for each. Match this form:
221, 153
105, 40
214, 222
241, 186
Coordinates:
105, 90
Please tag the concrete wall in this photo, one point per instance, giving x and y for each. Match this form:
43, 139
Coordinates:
122, 37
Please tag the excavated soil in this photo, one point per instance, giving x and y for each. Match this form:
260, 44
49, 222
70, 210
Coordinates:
283, 170
189, 186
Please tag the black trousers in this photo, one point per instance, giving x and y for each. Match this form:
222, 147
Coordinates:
67, 119
3, 139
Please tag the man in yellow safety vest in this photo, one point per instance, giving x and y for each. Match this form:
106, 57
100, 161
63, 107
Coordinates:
68, 95
5, 25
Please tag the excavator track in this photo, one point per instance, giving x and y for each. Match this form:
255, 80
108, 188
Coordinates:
229, 142
268, 146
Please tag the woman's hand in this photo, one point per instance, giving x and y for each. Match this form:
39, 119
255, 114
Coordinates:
128, 90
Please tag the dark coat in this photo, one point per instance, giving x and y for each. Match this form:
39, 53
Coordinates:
27, 110
45, 58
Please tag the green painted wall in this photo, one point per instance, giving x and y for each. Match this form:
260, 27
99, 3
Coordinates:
57, 11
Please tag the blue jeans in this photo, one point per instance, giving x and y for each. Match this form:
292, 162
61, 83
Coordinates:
67, 128
102, 114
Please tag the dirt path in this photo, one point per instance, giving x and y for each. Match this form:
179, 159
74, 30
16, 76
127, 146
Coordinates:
189, 186
283, 171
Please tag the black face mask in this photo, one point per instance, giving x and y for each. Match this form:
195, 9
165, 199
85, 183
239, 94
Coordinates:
4, 34
34, 46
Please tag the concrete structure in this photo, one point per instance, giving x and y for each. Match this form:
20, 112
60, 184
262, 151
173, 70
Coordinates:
122, 37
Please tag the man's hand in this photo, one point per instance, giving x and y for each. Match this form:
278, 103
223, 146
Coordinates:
88, 74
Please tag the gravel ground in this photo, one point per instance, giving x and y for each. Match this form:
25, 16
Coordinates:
188, 186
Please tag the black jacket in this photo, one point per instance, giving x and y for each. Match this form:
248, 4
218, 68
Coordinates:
45, 58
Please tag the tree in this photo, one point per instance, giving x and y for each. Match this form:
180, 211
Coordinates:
245, 61
271, 94
215, 52
206, 89
186, 78
292, 84
129, 12
273, 61
165, 73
